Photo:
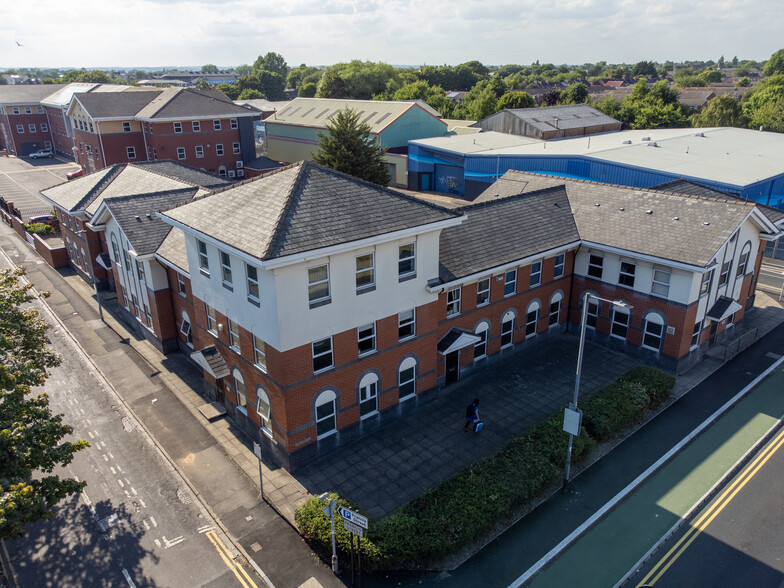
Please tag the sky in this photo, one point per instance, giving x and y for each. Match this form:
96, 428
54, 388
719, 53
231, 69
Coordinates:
155, 33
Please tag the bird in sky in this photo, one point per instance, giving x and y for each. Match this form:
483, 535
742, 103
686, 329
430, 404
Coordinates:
18, 44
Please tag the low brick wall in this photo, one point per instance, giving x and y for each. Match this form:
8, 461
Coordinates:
57, 257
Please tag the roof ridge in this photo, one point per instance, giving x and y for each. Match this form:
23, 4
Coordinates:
144, 195
102, 184
287, 210
520, 196
140, 166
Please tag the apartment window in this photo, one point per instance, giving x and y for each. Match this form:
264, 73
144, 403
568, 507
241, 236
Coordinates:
318, 284
219, 149
239, 388
531, 319
222, 171
366, 338
406, 378
365, 272
264, 410
181, 285
89, 149
239, 164
226, 270
620, 323
47, 144
406, 324
555, 310
199, 151
186, 330
743, 261
233, 123
15, 110
204, 261
453, 302
212, 322
131, 152
235, 148
147, 317
91, 126
140, 270
216, 125
234, 335
368, 395
325, 414
20, 129
480, 347
626, 275
180, 152
653, 332
695, 334
560, 261
253, 284
259, 353
196, 125
724, 276
507, 329
406, 260
661, 281
28, 110
595, 266
707, 282
322, 354
510, 282
178, 127
536, 274
483, 292
39, 109
128, 264
44, 128
126, 126
593, 314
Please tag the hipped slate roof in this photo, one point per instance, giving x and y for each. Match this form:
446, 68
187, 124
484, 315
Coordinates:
184, 103
173, 250
137, 216
27, 93
303, 208
116, 104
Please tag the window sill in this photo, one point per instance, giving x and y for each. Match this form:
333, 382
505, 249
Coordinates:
204, 272
235, 349
317, 303
452, 315
327, 434
183, 294
401, 399
368, 415
323, 370
229, 287
366, 289
261, 368
213, 333
617, 337
406, 277
255, 302
481, 304
366, 353
510, 294
243, 410
406, 338
532, 286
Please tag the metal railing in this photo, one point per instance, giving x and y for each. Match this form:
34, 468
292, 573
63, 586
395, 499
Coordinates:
732, 348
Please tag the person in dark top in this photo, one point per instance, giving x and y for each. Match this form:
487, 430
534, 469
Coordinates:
472, 414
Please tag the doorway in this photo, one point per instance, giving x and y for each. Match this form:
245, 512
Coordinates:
452, 367
712, 334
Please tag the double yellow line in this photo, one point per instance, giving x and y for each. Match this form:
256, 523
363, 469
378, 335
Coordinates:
234, 566
711, 513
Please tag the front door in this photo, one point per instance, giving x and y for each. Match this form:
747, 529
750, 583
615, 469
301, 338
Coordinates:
712, 334
452, 367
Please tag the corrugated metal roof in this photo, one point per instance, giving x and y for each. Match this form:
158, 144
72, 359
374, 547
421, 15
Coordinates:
63, 96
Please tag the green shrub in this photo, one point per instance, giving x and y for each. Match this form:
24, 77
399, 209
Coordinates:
657, 383
39, 228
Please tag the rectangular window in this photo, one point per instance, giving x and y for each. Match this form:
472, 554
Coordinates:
40, 109
661, 281
235, 148
724, 276
131, 152
593, 314
181, 285
483, 292
233, 123
91, 126
365, 272
140, 270
180, 153
259, 353
510, 282
196, 125
507, 328
20, 129
212, 323
226, 270
480, 347
126, 127
219, 149
44, 128
234, 335
555, 312
453, 302
560, 261
536, 274
695, 334
743, 263
368, 399
707, 282
263, 410
204, 261
652, 336
15, 110
626, 275
48, 144
595, 266
178, 127
322, 354
253, 284
620, 324
318, 284
406, 260
531, 320
31, 127
185, 329
366, 338
28, 110
199, 151
406, 324
242, 395
216, 125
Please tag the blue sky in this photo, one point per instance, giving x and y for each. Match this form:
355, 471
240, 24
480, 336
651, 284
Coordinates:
126, 33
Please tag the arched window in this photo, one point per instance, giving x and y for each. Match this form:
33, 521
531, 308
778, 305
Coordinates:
480, 347
531, 318
185, 328
222, 171
507, 329
743, 260
326, 422
239, 388
555, 309
406, 378
264, 410
653, 333
368, 395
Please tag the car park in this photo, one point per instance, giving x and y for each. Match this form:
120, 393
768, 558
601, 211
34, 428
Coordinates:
74, 174
42, 153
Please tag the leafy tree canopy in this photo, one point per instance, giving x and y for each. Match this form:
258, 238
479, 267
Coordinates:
94, 77
231, 90
203, 85
32, 441
722, 111
644, 69
243, 70
250, 94
574, 94
307, 90
764, 105
516, 100
302, 75
775, 64
272, 62
349, 146
209, 68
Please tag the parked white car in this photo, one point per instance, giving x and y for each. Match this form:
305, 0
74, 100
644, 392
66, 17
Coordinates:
41, 153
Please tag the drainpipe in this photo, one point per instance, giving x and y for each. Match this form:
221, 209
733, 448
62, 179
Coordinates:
100, 140
146, 149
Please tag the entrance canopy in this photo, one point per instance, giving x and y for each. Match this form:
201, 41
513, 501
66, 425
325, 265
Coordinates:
723, 308
456, 339
210, 359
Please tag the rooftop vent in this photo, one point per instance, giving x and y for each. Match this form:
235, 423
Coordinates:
676, 218
700, 135
649, 212
627, 142
597, 204
138, 218
149, 215
621, 209
653, 144
705, 223
646, 138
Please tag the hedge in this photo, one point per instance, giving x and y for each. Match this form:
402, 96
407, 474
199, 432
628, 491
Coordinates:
463, 509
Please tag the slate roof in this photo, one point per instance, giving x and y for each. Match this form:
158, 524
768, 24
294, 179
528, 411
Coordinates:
512, 184
185, 103
70, 195
504, 230
27, 93
263, 163
136, 215
303, 208
116, 104
184, 173
173, 250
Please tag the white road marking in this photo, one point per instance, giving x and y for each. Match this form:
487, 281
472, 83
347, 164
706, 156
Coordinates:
127, 494
97, 434
119, 469
105, 457
142, 503
127, 481
133, 491
89, 422
153, 521
91, 435
128, 578
157, 543
114, 472
120, 482
173, 542
82, 411
146, 525
206, 528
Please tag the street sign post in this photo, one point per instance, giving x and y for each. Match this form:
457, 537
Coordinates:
573, 417
352, 517
352, 528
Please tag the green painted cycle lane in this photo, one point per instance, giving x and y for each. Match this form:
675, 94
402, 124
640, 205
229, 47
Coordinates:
602, 555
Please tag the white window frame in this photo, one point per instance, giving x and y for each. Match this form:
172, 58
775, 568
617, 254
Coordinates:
47, 144
219, 149
326, 398
365, 274
453, 301
252, 284
264, 410
178, 127
322, 354
139, 270
260, 353
212, 321
181, 285
510, 283
621, 325
726, 270
627, 271
186, 328
536, 274
646, 333
592, 317
483, 292
406, 377
130, 151
532, 322
235, 147
28, 110
695, 335
196, 126
507, 329
366, 334
406, 321
368, 395
216, 124
31, 127
44, 128
226, 277
560, 263
706, 284
234, 335
406, 260
199, 149
660, 282
595, 266
743, 261
39, 109
20, 129
181, 155
480, 347
315, 285
233, 123
554, 315
204, 259
241, 391
126, 126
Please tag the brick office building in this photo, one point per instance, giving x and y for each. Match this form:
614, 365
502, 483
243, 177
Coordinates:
24, 126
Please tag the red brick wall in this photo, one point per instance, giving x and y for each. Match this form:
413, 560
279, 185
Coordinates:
61, 142
162, 313
165, 142
81, 140
180, 303
22, 141
114, 147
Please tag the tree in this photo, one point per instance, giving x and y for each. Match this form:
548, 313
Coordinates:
307, 90
775, 64
231, 90
31, 437
764, 105
516, 100
273, 62
722, 111
743, 83
250, 94
331, 85
575, 94
209, 68
710, 76
203, 85
302, 75
243, 70
349, 146
644, 69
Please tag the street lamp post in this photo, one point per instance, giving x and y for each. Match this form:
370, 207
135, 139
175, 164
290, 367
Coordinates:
586, 299
329, 510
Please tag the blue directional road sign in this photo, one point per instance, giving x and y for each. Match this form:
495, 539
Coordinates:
353, 517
